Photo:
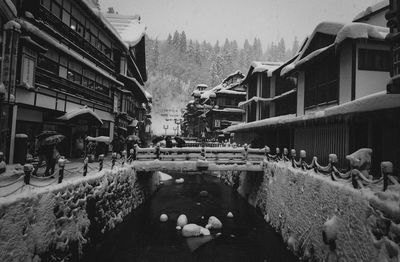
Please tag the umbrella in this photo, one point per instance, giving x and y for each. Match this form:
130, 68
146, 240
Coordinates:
52, 140
157, 139
133, 138
46, 133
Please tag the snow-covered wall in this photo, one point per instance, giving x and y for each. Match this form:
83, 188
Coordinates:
57, 222
323, 220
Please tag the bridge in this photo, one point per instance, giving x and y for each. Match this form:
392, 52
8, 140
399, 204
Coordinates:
199, 158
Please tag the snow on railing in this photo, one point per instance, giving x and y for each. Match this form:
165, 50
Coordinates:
358, 173
218, 155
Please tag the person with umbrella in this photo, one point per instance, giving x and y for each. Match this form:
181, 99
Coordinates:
179, 141
49, 149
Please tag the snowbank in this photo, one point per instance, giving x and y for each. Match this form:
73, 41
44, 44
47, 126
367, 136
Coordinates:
321, 219
55, 221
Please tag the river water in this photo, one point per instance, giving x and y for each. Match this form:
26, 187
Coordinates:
142, 237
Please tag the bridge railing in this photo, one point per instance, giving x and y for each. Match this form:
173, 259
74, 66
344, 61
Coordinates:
216, 154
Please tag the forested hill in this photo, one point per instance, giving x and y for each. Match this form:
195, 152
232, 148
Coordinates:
176, 65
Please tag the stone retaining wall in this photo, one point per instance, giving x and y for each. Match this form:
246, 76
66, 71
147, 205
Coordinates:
324, 220
58, 222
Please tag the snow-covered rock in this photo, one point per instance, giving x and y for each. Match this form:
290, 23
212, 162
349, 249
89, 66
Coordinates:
213, 223
193, 230
182, 220
163, 218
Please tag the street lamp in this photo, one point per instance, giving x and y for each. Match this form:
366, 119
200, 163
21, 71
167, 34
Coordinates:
178, 123
165, 128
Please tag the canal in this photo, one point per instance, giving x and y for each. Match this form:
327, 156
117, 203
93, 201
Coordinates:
142, 237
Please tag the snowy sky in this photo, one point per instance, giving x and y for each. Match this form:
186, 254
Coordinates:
213, 20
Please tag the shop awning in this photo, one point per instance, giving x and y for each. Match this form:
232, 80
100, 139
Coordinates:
83, 113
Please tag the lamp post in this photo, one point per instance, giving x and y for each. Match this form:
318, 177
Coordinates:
178, 123
165, 128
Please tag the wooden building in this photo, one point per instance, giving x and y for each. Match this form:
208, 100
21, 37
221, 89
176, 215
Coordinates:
340, 97
71, 59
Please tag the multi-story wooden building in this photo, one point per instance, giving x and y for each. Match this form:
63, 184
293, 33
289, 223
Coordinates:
74, 74
340, 102
215, 109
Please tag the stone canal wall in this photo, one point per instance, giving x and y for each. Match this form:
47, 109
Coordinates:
58, 222
324, 220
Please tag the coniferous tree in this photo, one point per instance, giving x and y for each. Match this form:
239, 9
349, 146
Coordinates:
175, 39
182, 42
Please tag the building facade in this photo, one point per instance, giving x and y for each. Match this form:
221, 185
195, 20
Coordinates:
70, 75
341, 103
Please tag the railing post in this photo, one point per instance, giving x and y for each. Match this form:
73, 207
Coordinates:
101, 160
28, 168
246, 152
266, 152
303, 155
158, 153
293, 157
285, 154
123, 157
203, 153
132, 155
333, 160
134, 151
113, 159
386, 170
85, 166
278, 152
61, 165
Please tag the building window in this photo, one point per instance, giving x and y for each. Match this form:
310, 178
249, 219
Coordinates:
28, 71
322, 83
48, 65
373, 60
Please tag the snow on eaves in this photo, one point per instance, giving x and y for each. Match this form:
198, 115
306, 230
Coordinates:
230, 110
373, 102
361, 30
232, 75
314, 55
231, 92
104, 20
371, 9
133, 33
329, 28
255, 99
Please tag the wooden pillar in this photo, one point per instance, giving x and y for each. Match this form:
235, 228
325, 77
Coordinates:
12, 135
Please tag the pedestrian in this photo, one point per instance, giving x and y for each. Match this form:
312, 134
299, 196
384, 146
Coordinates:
168, 142
52, 155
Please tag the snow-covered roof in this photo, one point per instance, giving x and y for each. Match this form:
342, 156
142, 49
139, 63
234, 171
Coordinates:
361, 30
260, 67
232, 75
231, 92
230, 110
328, 28
105, 22
148, 95
373, 102
129, 27
260, 123
371, 9
314, 55
255, 99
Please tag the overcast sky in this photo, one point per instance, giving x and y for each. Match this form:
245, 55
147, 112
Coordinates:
213, 20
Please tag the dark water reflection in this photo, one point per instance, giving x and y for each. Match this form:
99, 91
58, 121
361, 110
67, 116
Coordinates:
141, 237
